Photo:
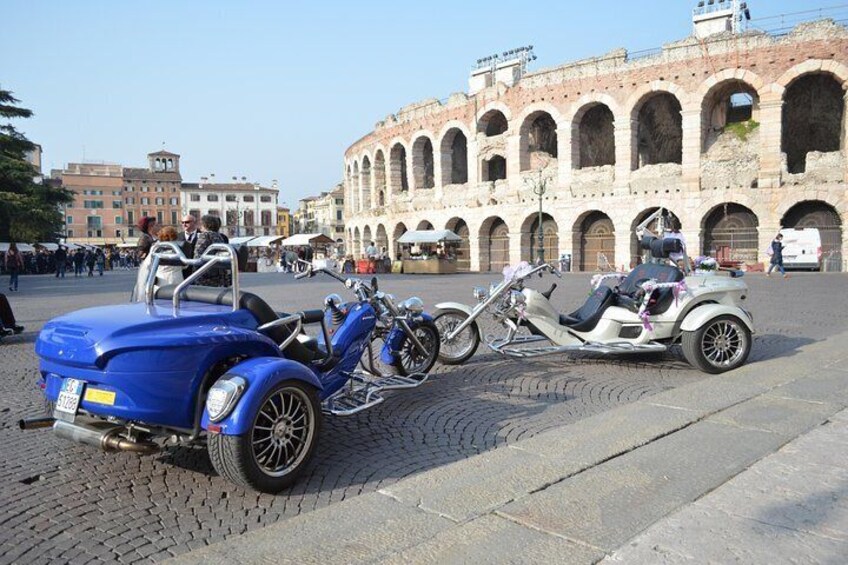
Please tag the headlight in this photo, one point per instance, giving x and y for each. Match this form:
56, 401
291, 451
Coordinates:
223, 396
480, 293
413, 305
516, 297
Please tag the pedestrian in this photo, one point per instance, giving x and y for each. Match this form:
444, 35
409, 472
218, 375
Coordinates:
100, 261
187, 238
60, 259
90, 261
148, 228
8, 325
79, 260
208, 237
776, 252
14, 265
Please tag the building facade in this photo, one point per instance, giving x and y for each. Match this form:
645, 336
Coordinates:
284, 221
153, 191
735, 134
323, 214
245, 209
96, 215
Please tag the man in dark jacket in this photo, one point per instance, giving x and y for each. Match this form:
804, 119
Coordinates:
187, 239
60, 258
777, 256
79, 261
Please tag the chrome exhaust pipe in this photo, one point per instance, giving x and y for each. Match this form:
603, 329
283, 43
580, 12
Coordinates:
103, 435
35, 423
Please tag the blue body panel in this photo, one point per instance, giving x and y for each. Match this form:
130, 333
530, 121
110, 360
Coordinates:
153, 361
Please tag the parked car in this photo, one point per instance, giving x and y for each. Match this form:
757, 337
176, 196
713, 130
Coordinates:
802, 248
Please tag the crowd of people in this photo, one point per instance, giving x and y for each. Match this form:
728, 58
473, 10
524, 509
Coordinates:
80, 261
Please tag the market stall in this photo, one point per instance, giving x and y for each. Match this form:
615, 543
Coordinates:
264, 253
429, 252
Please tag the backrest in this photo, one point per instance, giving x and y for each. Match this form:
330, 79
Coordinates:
222, 296
646, 272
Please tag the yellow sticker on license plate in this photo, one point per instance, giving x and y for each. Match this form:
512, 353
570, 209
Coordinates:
99, 396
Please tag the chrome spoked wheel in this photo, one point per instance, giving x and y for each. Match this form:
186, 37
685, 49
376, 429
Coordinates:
283, 431
461, 346
724, 343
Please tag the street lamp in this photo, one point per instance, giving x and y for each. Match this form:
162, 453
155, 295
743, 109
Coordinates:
539, 184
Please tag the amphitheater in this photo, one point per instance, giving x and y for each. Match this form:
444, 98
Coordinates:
735, 134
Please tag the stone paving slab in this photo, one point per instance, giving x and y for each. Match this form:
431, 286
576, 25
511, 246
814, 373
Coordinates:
609, 504
363, 529
493, 539
790, 507
786, 417
481, 484
826, 385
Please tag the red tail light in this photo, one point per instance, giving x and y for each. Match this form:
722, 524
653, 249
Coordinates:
819, 252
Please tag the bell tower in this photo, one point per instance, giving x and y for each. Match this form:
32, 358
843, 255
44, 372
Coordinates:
163, 162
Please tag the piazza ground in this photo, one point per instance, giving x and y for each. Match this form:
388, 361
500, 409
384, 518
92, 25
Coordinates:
73, 503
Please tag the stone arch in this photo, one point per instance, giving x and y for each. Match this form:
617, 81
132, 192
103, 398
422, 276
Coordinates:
382, 239
530, 238
379, 169
400, 229
463, 251
635, 250
453, 152
824, 217
424, 225
730, 233
357, 243
423, 164
494, 168
730, 100
594, 241
835, 68
355, 201
538, 143
493, 120
813, 118
367, 237
658, 130
494, 244
365, 183
593, 134
398, 169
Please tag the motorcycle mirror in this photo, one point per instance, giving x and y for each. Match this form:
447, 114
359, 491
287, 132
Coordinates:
374, 284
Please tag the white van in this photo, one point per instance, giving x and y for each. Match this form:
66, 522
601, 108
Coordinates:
802, 248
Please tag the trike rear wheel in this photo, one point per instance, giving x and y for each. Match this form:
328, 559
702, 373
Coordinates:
279, 444
720, 345
463, 345
409, 359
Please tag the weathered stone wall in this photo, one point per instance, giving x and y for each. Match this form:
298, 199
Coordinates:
690, 160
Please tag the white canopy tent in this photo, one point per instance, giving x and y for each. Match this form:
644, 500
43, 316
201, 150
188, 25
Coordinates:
48, 246
22, 247
241, 240
264, 241
306, 239
428, 236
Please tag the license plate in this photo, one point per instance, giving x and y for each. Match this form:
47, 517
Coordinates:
69, 399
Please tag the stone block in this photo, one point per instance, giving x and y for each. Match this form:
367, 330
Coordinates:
784, 416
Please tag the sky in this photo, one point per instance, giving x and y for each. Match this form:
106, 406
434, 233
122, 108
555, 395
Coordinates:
278, 90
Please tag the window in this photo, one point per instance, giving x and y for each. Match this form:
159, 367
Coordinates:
131, 200
69, 220
266, 217
132, 232
339, 229
248, 198
94, 224
160, 189
214, 213
265, 199
144, 213
194, 198
231, 198
339, 201
145, 189
91, 204
195, 213
116, 193
130, 188
160, 201
159, 216
117, 204
211, 197
175, 201
130, 218
174, 217
117, 233
119, 220
339, 215
145, 201
70, 233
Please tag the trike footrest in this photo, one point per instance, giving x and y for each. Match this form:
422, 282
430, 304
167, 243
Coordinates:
365, 393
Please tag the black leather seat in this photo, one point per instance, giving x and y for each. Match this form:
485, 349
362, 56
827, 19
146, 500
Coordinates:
263, 313
586, 318
630, 290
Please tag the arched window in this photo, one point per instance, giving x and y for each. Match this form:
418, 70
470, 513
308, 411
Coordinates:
422, 163
659, 136
813, 114
492, 123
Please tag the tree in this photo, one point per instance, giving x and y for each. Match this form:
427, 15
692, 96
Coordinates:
29, 206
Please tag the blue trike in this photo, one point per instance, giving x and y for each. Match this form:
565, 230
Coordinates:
192, 359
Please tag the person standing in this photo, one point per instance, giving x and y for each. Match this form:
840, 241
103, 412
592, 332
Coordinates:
90, 261
209, 236
776, 252
148, 228
60, 258
14, 266
78, 260
100, 261
187, 239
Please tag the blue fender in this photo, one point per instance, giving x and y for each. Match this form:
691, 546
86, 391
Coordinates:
261, 374
394, 340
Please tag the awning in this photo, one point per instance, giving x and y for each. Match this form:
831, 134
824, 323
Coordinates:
126, 245
241, 240
48, 246
264, 241
22, 247
307, 239
428, 236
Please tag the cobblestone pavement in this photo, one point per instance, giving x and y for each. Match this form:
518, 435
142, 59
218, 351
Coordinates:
61, 502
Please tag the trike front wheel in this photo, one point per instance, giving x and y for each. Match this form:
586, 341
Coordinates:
461, 347
409, 359
720, 345
276, 448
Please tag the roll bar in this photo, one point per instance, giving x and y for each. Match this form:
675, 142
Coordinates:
211, 257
